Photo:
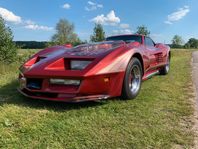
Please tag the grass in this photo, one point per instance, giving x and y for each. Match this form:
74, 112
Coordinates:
157, 118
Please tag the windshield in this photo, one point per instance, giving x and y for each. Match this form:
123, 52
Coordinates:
106, 45
126, 38
94, 48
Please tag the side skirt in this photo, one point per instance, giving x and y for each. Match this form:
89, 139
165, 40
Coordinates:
149, 74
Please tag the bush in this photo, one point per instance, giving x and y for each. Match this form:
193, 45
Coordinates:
8, 50
192, 43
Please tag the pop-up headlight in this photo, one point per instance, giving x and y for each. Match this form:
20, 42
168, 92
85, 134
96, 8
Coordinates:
79, 65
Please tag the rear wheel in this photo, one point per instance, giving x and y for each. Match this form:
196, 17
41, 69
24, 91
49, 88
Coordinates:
133, 79
164, 70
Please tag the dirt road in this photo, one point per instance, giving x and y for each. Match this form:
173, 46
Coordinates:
195, 81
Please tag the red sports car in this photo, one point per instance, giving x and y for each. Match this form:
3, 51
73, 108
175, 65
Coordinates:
113, 68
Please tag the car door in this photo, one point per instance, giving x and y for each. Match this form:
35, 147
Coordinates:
154, 54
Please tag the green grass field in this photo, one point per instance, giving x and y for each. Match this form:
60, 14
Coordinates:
158, 118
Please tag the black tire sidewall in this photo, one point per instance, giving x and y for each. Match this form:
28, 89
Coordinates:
126, 92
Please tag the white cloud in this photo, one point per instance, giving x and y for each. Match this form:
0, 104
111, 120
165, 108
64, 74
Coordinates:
66, 6
109, 19
123, 31
91, 3
93, 6
177, 15
100, 5
29, 24
38, 27
124, 26
9, 16
168, 22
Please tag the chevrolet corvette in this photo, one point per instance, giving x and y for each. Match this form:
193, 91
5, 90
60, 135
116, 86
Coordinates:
115, 67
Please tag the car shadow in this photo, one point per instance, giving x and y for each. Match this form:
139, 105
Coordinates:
10, 95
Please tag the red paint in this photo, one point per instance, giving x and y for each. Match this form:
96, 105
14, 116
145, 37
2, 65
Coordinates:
109, 60
68, 45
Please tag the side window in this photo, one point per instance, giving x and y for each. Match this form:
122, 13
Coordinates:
149, 42
139, 39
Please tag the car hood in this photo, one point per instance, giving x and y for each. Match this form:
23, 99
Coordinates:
93, 50
56, 55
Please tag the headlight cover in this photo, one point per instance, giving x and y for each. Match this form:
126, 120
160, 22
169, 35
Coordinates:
79, 65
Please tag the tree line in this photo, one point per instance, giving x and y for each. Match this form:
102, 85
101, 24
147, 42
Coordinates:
31, 44
178, 42
65, 34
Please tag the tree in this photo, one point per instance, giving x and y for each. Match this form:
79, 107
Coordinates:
98, 33
177, 41
8, 50
142, 30
65, 33
192, 43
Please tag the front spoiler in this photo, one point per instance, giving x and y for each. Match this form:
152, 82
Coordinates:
68, 99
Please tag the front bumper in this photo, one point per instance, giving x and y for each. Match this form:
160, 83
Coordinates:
91, 88
70, 98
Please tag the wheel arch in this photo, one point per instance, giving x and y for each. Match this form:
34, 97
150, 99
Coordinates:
139, 57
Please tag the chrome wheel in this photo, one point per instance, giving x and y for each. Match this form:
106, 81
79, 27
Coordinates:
135, 79
132, 80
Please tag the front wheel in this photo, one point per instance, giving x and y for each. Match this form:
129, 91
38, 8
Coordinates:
132, 80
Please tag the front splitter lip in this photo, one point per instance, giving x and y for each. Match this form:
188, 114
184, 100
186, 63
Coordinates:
69, 100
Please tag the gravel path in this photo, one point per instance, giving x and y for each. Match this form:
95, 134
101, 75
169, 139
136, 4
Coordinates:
195, 81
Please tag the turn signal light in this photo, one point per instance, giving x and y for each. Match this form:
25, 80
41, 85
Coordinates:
106, 80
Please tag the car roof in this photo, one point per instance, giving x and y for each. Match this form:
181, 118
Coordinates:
126, 35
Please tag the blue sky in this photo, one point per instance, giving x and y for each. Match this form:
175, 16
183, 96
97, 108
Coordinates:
36, 19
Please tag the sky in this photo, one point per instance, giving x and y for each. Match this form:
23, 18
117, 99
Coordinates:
35, 20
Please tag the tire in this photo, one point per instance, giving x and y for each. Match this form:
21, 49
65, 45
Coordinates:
132, 80
164, 70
